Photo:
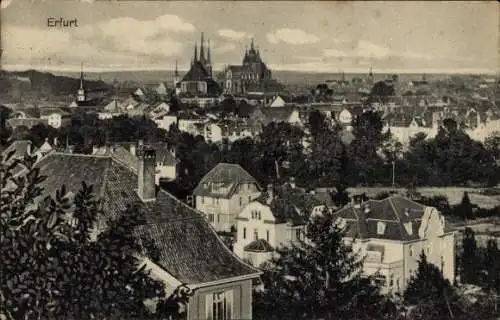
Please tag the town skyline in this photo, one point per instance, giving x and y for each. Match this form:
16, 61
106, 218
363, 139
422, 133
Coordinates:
413, 37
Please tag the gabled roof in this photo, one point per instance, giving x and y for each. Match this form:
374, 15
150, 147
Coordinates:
189, 249
49, 111
229, 175
277, 114
393, 211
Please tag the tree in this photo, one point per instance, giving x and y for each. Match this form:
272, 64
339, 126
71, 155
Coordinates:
317, 279
430, 296
381, 91
465, 210
492, 144
5, 130
469, 260
491, 265
52, 268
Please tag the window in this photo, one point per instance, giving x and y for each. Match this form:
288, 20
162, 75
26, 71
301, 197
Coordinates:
244, 233
219, 305
298, 234
202, 200
240, 201
255, 234
211, 217
213, 201
217, 201
249, 199
267, 235
218, 218
259, 215
380, 227
391, 280
411, 251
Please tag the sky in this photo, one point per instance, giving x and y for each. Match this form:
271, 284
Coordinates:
300, 36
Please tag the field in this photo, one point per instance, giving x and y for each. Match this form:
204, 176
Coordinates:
454, 194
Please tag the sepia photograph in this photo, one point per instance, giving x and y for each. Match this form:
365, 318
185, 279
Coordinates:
249, 160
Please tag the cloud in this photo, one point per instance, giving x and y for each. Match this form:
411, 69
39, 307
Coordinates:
232, 34
291, 36
122, 40
363, 49
5, 3
223, 48
334, 53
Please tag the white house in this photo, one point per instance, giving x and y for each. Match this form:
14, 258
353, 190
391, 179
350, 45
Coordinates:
165, 121
392, 233
55, 117
223, 192
111, 110
271, 222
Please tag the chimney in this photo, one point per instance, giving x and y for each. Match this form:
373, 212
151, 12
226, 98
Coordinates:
146, 158
133, 149
270, 193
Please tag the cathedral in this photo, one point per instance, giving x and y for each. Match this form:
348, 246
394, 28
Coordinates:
251, 76
198, 81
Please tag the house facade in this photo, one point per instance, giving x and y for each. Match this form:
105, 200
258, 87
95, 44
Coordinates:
392, 233
221, 283
223, 192
55, 117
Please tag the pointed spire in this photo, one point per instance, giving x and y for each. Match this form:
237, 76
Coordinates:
81, 76
176, 69
251, 46
195, 58
202, 50
209, 59
371, 73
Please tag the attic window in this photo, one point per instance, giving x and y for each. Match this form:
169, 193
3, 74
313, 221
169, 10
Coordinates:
380, 227
408, 228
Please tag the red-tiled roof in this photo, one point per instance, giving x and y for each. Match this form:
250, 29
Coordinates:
189, 248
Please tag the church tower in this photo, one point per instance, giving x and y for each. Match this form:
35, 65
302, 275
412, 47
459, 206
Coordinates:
202, 51
177, 80
195, 58
81, 91
208, 62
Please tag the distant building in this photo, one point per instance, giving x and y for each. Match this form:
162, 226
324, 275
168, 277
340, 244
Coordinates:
392, 233
223, 192
198, 81
55, 117
251, 76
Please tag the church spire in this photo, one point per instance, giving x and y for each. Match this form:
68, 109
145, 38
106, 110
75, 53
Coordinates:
202, 50
195, 58
209, 59
371, 72
176, 73
81, 76
252, 46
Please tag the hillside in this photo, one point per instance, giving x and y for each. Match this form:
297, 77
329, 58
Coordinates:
35, 84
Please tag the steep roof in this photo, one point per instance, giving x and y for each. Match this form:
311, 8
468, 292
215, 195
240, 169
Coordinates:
189, 248
197, 72
229, 175
393, 211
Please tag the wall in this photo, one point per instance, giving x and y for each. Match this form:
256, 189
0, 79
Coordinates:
165, 172
242, 300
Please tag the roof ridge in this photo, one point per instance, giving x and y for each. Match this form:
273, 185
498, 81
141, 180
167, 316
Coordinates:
397, 216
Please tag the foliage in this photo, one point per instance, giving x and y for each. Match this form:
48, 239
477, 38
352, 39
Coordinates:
54, 265
492, 144
5, 130
470, 259
430, 296
317, 279
465, 209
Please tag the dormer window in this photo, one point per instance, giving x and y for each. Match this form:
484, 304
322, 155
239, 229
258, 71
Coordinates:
408, 227
380, 227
